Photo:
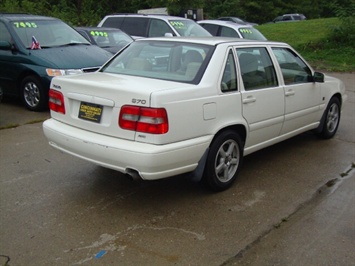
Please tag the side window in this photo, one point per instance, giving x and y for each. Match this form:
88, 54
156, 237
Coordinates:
158, 28
4, 33
135, 26
229, 79
294, 70
256, 68
228, 32
113, 22
213, 29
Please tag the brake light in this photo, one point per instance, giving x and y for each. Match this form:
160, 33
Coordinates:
144, 119
56, 101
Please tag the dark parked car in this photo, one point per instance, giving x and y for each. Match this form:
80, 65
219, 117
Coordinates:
289, 18
33, 49
110, 39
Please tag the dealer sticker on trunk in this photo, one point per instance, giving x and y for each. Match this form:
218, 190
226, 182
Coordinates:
91, 112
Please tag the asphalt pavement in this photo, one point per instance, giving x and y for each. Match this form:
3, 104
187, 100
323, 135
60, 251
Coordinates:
76, 205
321, 232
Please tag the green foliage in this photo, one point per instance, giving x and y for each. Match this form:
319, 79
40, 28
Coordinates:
315, 41
90, 12
262, 11
299, 33
345, 32
10, 6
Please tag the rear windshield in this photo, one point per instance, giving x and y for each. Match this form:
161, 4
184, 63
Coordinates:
173, 61
251, 33
48, 33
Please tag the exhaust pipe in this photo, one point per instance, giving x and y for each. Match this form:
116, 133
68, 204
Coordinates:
133, 174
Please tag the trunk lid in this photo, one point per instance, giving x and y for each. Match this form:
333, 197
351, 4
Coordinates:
93, 101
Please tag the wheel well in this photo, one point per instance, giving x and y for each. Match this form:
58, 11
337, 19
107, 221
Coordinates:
240, 129
337, 95
22, 76
322, 120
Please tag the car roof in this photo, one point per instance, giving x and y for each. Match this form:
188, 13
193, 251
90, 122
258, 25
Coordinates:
163, 17
22, 16
293, 14
90, 28
224, 23
213, 40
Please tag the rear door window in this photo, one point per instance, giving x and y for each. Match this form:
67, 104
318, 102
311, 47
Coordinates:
213, 29
256, 68
113, 22
229, 78
135, 26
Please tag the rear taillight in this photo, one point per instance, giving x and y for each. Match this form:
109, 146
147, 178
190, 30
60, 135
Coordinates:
56, 101
143, 119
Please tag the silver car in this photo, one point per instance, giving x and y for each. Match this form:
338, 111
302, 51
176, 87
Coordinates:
231, 29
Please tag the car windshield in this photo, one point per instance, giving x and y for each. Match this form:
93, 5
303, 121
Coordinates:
251, 34
188, 28
173, 61
48, 33
110, 38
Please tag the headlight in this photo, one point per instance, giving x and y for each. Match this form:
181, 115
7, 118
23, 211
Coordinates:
62, 72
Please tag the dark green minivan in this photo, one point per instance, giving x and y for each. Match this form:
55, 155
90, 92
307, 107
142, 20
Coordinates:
34, 49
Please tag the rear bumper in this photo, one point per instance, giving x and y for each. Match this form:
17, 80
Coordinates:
150, 161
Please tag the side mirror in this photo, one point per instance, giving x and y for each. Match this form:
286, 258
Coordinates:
168, 34
4, 45
318, 77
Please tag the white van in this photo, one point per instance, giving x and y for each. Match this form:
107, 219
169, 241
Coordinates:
144, 25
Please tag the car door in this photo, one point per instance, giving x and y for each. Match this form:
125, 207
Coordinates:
302, 95
228, 32
262, 97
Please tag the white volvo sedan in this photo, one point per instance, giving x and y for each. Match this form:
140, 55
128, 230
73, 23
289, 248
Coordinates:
167, 106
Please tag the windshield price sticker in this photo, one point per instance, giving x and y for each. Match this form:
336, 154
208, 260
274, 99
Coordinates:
246, 31
177, 24
22, 24
90, 112
98, 33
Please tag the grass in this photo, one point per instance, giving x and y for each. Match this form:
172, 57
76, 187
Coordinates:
311, 38
9, 126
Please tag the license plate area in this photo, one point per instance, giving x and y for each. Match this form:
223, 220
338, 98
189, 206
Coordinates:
90, 112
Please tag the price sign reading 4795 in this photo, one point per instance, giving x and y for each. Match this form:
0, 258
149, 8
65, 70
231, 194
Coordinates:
22, 24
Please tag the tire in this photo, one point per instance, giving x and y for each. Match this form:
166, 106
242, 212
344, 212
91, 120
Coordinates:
223, 161
331, 119
33, 95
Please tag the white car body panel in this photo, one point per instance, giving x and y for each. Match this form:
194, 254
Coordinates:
196, 114
123, 155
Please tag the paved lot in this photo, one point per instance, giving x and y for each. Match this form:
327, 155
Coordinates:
292, 205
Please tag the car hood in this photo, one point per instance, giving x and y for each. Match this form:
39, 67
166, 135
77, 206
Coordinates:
71, 56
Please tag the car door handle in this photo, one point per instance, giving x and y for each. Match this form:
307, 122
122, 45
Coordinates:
249, 99
290, 93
